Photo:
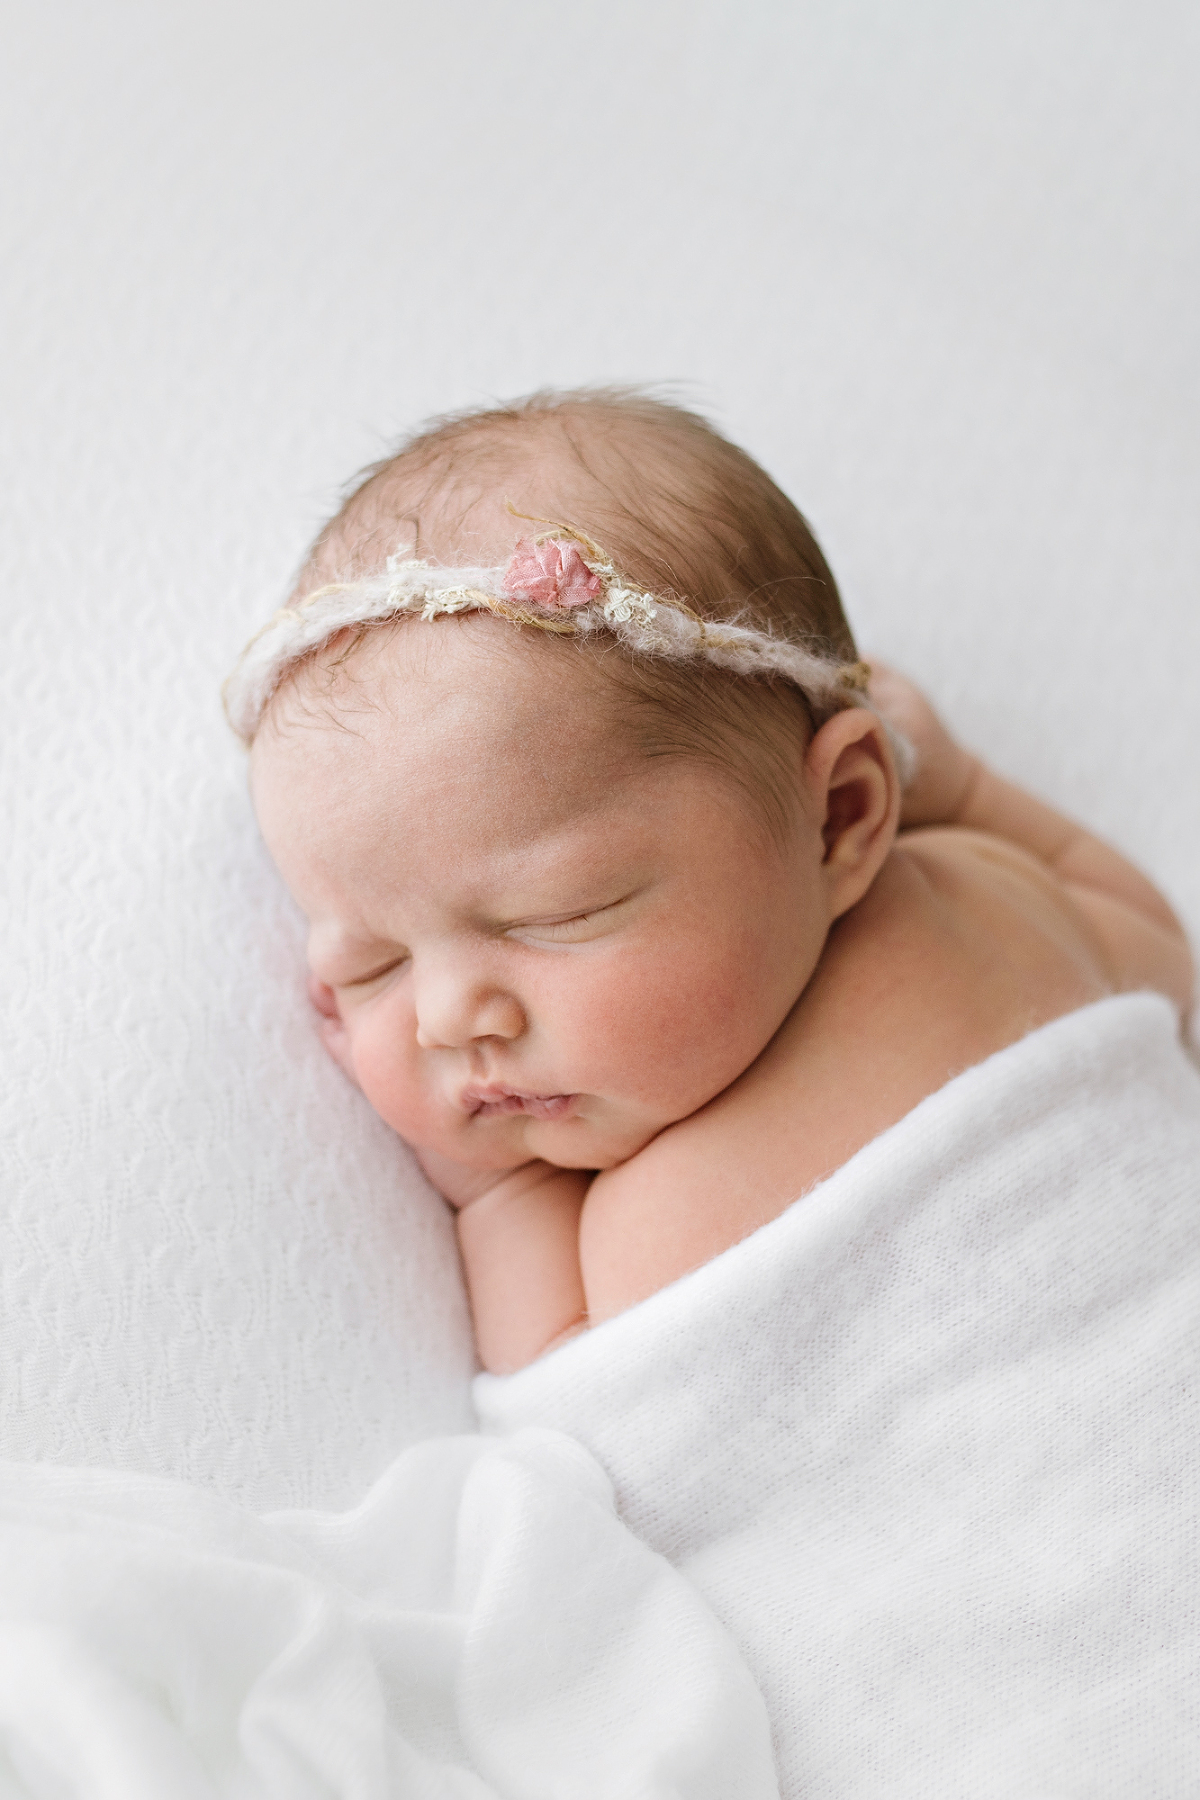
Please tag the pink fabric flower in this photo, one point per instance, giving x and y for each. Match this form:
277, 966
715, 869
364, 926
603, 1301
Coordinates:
553, 575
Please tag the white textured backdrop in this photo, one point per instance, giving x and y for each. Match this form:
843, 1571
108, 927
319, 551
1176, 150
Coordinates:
936, 265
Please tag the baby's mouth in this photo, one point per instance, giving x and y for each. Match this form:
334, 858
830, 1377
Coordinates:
495, 1102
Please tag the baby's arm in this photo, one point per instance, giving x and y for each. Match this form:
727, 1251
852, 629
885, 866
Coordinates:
519, 1237
1143, 940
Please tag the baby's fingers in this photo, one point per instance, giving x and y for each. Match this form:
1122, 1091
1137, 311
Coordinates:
944, 769
901, 702
459, 1183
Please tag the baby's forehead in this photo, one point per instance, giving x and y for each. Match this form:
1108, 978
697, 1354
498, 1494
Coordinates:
447, 706
453, 796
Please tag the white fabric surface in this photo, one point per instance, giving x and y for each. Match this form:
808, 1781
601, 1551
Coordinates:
929, 1443
935, 265
481, 1627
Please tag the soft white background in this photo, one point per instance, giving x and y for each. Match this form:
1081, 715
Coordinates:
935, 264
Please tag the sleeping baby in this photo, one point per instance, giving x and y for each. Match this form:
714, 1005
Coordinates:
619, 911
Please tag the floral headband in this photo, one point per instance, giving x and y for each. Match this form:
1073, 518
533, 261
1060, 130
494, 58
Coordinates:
559, 581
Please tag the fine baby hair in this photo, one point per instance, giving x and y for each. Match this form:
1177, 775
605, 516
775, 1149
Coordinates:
667, 550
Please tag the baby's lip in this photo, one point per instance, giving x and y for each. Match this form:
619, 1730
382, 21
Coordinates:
493, 1102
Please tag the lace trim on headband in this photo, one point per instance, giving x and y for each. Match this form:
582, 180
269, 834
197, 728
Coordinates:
559, 581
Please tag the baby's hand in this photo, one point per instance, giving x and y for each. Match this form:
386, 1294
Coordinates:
518, 1233
945, 771
458, 1183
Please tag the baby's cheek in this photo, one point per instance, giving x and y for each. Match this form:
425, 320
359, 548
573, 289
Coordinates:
385, 1062
674, 1027
395, 1076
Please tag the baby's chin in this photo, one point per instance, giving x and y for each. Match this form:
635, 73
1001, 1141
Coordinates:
502, 1141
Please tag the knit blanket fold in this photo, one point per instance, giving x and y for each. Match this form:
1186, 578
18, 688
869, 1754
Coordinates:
929, 1443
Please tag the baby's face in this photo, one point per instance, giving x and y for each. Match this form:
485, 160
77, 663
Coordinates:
532, 941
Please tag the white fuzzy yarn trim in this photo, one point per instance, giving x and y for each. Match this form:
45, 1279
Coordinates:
646, 624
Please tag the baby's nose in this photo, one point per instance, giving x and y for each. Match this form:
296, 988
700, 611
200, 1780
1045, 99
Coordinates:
452, 1013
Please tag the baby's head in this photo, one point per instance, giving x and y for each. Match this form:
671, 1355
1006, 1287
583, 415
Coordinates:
571, 824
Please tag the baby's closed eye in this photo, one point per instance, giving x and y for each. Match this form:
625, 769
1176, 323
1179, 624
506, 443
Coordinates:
350, 984
594, 921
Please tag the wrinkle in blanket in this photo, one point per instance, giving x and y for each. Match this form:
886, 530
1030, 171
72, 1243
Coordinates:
482, 1627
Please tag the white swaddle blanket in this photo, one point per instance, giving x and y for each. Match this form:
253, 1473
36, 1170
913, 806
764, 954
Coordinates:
482, 1627
928, 1442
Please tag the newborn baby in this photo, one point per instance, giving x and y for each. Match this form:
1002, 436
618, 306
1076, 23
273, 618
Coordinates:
618, 914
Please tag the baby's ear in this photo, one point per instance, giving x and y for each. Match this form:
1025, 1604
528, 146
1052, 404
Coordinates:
323, 998
332, 1029
855, 792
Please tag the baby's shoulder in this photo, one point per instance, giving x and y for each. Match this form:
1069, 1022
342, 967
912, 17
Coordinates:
974, 865
965, 943
1002, 912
